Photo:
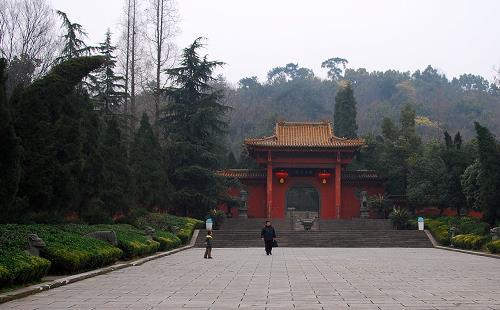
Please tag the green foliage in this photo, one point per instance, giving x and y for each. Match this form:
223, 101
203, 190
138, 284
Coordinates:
469, 241
18, 267
148, 167
426, 173
47, 123
193, 121
470, 185
132, 241
68, 252
400, 218
73, 44
334, 67
107, 87
489, 177
344, 117
167, 240
117, 187
183, 227
10, 152
493, 246
440, 227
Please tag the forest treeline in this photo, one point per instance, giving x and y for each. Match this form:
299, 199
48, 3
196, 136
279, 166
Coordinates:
294, 93
95, 132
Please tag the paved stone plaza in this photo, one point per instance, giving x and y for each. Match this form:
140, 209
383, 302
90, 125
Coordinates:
293, 278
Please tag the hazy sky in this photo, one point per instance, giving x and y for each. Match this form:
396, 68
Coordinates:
253, 36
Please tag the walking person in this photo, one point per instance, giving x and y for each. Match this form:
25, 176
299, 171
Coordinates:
208, 245
268, 234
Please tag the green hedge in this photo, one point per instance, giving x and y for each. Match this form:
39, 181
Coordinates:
493, 246
167, 240
65, 252
440, 227
18, 267
165, 222
469, 241
132, 241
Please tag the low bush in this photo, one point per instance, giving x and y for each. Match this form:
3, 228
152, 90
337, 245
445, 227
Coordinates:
167, 240
132, 241
186, 232
18, 267
440, 227
493, 246
67, 252
400, 218
183, 227
469, 241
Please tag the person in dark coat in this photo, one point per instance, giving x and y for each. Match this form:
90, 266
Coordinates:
208, 245
268, 234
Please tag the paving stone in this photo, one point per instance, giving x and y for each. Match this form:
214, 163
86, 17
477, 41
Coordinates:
316, 278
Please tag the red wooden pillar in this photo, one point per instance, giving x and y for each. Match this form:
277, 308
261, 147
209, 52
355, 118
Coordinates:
338, 185
269, 184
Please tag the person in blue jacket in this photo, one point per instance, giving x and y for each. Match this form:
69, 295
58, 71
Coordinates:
268, 234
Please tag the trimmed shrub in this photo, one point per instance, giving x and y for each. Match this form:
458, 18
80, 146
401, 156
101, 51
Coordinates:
18, 267
67, 252
183, 227
439, 230
167, 240
493, 246
469, 241
440, 227
132, 241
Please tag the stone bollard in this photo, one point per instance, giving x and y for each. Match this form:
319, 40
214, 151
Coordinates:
34, 244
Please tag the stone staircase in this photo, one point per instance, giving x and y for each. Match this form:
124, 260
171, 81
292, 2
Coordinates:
242, 233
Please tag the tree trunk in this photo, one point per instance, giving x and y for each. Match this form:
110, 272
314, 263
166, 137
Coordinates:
132, 70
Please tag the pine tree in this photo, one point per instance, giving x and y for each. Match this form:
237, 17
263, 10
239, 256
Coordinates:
74, 46
107, 86
10, 151
117, 193
148, 167
456, 163
489, 177
192, 122
344, 117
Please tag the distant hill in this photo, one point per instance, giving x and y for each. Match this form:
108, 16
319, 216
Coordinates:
440, 104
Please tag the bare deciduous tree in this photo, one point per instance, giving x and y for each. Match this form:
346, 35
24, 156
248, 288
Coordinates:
27, 32
161, 28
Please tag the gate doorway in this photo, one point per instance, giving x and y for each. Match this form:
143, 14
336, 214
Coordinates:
302, 202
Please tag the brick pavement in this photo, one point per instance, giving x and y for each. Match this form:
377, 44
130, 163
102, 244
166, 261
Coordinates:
293, 278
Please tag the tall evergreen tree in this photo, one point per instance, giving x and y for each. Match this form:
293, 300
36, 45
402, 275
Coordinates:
148, 167
117, 193
489, 177
192, 123
107, 86
74, 46
45, 122
344, 117
10, 151
456, 163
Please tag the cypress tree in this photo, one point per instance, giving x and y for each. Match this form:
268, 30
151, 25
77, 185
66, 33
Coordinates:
489, 177
192, 122
43, 112
148, 169
10, 151
344, 117
117, 191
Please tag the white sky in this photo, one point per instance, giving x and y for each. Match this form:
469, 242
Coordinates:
253, 36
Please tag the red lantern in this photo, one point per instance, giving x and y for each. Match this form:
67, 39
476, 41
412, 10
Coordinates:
324, 176
281, 175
